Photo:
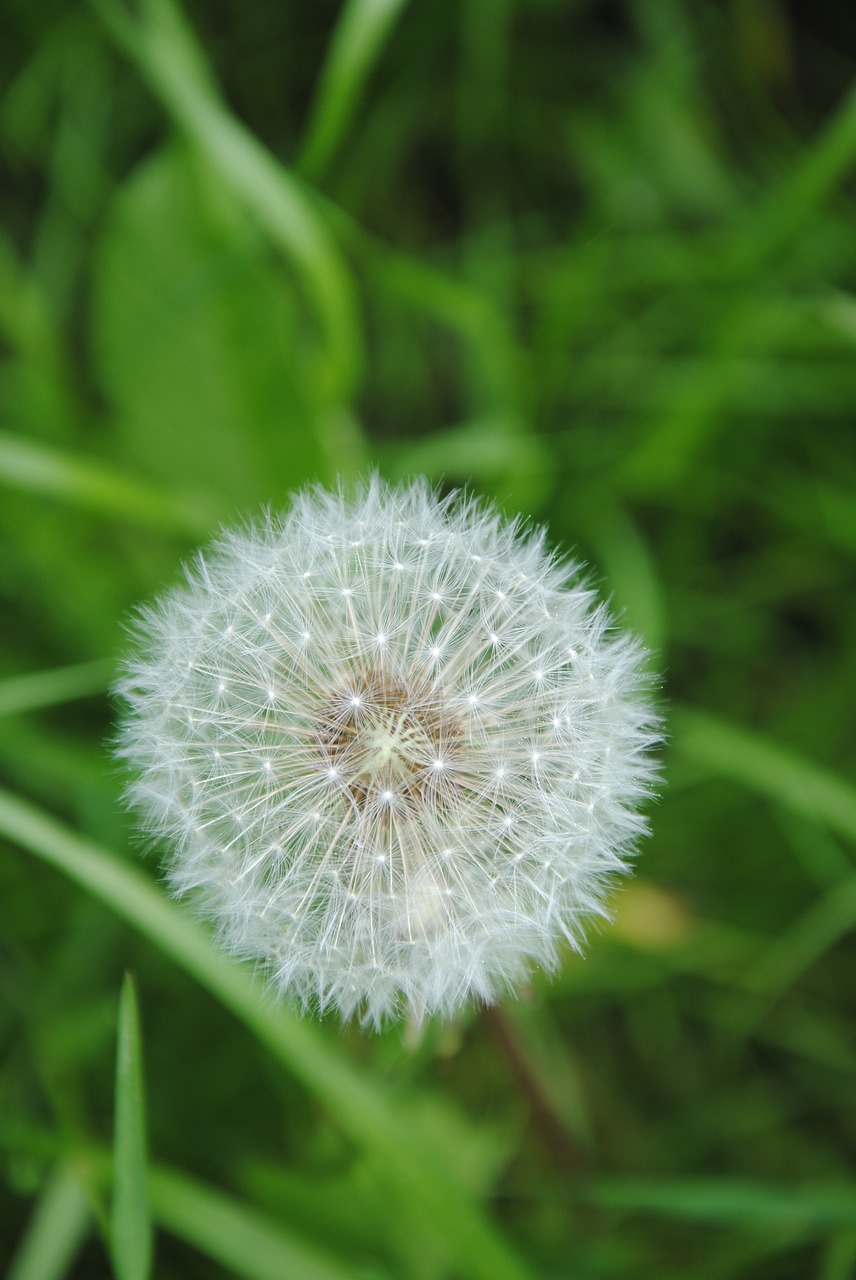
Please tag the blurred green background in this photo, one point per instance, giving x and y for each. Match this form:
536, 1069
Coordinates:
596, 259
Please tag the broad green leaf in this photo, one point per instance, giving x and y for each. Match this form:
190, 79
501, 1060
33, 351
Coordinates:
131, 1233
56, 1230
166, 53
198, 343
359, 1106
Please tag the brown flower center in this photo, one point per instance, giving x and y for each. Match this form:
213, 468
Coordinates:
391, 744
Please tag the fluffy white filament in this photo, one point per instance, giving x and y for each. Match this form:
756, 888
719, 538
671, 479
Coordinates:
394, 746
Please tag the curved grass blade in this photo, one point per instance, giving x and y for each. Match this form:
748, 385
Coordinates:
629, 566
817, 930
55, 1232
449, 301
483, 449
775, 772
94, 486
660, 462
242, 1239
812, 1209
359, 1107
361, 32
825, 162
49, 688
131, 1235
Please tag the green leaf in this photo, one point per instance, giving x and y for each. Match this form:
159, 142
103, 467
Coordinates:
199, 343
131, 1227
361, 32
165, 50
55, 1232
361, 1108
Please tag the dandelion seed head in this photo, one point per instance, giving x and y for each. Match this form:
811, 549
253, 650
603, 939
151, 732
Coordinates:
396, 749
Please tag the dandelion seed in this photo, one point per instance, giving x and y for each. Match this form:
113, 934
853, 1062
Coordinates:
386, 833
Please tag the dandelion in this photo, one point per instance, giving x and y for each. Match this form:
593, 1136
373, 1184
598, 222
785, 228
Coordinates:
394, 745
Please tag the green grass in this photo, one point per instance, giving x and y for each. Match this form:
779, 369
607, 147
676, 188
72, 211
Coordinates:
131, 1227
595, 261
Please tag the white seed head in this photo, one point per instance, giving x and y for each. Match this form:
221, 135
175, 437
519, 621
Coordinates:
394, 746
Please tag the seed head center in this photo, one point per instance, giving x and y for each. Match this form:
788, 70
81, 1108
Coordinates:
382, 736
393, 742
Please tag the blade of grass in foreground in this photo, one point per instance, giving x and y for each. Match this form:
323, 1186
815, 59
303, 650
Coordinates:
359, 1106
55, 1231
131, 1235
361, 32
245, 1241
775, 772
48, 688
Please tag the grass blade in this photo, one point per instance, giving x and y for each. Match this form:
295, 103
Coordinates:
131, 1227
48, 688
485, 449
813, 1209
245, 1241
359, 1106
133, 896
821, 926
448, 301
94, 486
820, 169
629, 566
55, 1231
361, 32
775, 772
